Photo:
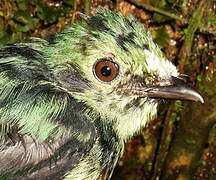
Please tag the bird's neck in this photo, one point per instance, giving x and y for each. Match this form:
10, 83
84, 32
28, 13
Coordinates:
102, 158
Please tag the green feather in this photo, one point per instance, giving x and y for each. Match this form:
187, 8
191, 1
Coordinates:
60, 121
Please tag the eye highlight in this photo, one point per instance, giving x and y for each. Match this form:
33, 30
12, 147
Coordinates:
105, 70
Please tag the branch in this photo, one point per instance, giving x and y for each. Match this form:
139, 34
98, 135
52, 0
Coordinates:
158, 10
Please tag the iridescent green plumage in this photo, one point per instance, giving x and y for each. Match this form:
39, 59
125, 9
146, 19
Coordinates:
58, 120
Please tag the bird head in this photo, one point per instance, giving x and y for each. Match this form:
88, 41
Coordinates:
121, 73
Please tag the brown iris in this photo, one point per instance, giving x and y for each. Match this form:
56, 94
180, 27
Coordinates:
105, 70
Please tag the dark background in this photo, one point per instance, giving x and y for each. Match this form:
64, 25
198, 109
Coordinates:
181, 142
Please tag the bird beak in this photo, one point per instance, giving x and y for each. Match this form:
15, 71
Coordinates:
177, 90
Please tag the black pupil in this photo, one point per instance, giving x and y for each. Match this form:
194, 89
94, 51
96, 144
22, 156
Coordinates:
106, 71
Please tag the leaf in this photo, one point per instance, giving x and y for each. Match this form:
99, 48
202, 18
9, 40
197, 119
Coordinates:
163, 5
8, 37
22, 4
46, 13
161, 37
69, 2
23, 21
211, 18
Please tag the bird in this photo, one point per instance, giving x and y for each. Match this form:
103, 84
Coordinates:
68, 104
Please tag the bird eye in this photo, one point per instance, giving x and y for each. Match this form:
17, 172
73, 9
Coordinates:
105, 70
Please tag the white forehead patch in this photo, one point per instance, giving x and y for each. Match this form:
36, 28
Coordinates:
161, 67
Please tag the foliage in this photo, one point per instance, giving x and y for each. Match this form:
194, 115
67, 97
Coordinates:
20, 18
